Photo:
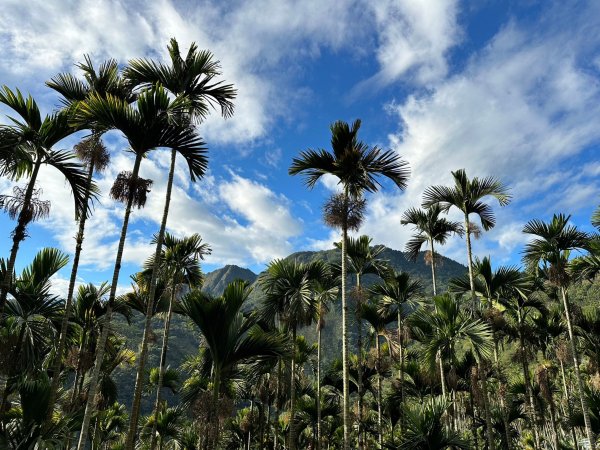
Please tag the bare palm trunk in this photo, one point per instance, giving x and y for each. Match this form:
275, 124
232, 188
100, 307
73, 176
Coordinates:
567, 395
67, 314
379, 388
401, 365
319, 382
18, 235
584, 406
162, 365
292, 443
442, 377
528, 389
433, 267
101, 347
139, 379
360, 362
346, 394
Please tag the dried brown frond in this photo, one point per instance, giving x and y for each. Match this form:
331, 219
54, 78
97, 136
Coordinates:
495, 318
563, 352
339, 210
15, 207
558, 275
542, 376
124, 184
93, 151
474, 230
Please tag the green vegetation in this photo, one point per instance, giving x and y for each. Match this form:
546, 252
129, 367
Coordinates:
359, 346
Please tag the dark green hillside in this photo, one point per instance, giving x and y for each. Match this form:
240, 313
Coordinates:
215, 281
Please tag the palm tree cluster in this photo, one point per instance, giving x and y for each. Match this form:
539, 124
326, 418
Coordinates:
499, 358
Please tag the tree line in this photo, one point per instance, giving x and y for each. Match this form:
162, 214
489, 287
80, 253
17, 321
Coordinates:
501, 358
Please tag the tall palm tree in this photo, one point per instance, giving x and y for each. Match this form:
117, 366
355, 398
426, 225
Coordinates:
378, 317
467, 196
193, 79
398, 295
147, 125
92, 152
35, 138
232, 337
358, 168
362, 259
430, 228
289, 288
179, 263
549, 253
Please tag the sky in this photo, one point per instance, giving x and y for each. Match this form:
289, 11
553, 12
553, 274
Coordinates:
509, 89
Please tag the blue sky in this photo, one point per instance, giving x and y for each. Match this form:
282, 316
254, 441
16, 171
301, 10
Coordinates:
503, 88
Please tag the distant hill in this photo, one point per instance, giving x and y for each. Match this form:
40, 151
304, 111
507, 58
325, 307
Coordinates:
215, 281
185, 337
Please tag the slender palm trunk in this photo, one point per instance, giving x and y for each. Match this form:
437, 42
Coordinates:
433, 267
584, 406
214, 438
528, 389
319, 382
470, 263
360, 362
401, 358
567, 395
67, 314
553, 423
78, 368
442, 377
346, 393
162, 365
101, 347
292, 443
379, 388
139, 378
251, 422
18, 235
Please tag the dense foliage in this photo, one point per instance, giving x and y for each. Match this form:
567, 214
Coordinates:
355, 347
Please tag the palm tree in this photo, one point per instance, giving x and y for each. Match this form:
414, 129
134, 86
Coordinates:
289, 288
447, 330
549, 253
146, 126
34, 138
430, 228
378, 317
425, 430
509, 287
467, 196
362, 259
358, 168
31, 313
192, 79
399, 292
232, 337
92, 152
179, 263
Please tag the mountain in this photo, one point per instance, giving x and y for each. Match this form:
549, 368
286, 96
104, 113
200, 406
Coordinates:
215, 281
184, 337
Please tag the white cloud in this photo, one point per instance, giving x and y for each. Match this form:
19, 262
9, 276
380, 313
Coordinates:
414, 38
521, 108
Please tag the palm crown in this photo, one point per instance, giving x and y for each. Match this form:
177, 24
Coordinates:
354, 163
467, 196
